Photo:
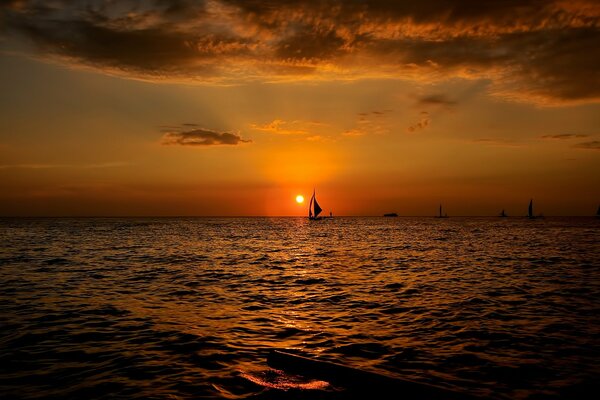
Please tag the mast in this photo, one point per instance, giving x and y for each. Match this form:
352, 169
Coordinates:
310, 215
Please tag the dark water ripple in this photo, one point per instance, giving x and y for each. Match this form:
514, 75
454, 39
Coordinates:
189, 308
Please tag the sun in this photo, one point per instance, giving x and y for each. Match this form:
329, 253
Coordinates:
299, 199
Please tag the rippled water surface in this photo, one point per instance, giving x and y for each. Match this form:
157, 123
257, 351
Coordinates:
189, 308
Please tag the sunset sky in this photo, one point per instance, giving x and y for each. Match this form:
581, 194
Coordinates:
234, 107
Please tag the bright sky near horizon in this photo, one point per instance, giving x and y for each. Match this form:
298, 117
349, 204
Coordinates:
231, 107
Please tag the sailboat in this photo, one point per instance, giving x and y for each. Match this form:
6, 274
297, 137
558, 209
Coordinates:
314, 209
598, 212
440, 214
530, 211
503, 214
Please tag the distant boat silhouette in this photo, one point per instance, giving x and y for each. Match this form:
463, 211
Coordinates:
503, 214
598, 212
314, 209
530, 211
440, 214
390, 215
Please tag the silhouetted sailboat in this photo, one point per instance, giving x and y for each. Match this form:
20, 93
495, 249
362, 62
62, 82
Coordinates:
440, 215
503, 214
530, 210
313, 208
598, 212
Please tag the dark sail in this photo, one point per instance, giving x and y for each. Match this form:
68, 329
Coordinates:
440, 210
317, 208
530, 213
314, 209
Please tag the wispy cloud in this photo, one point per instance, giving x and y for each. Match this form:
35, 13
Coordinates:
201, 137
564, 136
496, 142
112, 164
374, 122
512, 44
420, 125
281, 127
592, 145
373, 114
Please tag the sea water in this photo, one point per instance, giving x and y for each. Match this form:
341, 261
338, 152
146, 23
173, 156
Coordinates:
190, 307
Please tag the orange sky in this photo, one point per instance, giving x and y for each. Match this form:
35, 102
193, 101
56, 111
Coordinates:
235, 107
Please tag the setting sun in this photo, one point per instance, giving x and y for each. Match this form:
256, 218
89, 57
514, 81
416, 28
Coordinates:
299, 199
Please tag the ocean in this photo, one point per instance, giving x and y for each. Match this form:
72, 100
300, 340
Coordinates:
188, 308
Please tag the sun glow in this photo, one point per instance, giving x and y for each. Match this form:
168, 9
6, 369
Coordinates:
299, 199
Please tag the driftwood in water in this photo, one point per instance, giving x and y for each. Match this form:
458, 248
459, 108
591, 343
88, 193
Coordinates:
358, 381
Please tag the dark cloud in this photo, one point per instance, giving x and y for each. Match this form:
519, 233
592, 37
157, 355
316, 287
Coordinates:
530, 50
592, 145
436, 100
564, 136
363, 116
554, 64
201, 137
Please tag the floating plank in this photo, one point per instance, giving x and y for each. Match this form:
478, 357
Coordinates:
359, 381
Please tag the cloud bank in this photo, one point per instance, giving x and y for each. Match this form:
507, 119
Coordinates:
540, 51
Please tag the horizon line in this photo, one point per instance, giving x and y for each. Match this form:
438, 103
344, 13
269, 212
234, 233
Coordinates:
287, 216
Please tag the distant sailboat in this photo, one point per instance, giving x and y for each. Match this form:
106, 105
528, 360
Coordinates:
530, 211
598, 212
503, 214
440, 215
314, 209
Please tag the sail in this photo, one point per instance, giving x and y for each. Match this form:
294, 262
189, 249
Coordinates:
530, 212
317, 207
440, 210
314, 209
598, 212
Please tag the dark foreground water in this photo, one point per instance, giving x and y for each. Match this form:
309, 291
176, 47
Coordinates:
189, 308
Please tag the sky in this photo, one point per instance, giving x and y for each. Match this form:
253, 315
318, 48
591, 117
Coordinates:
234, 107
